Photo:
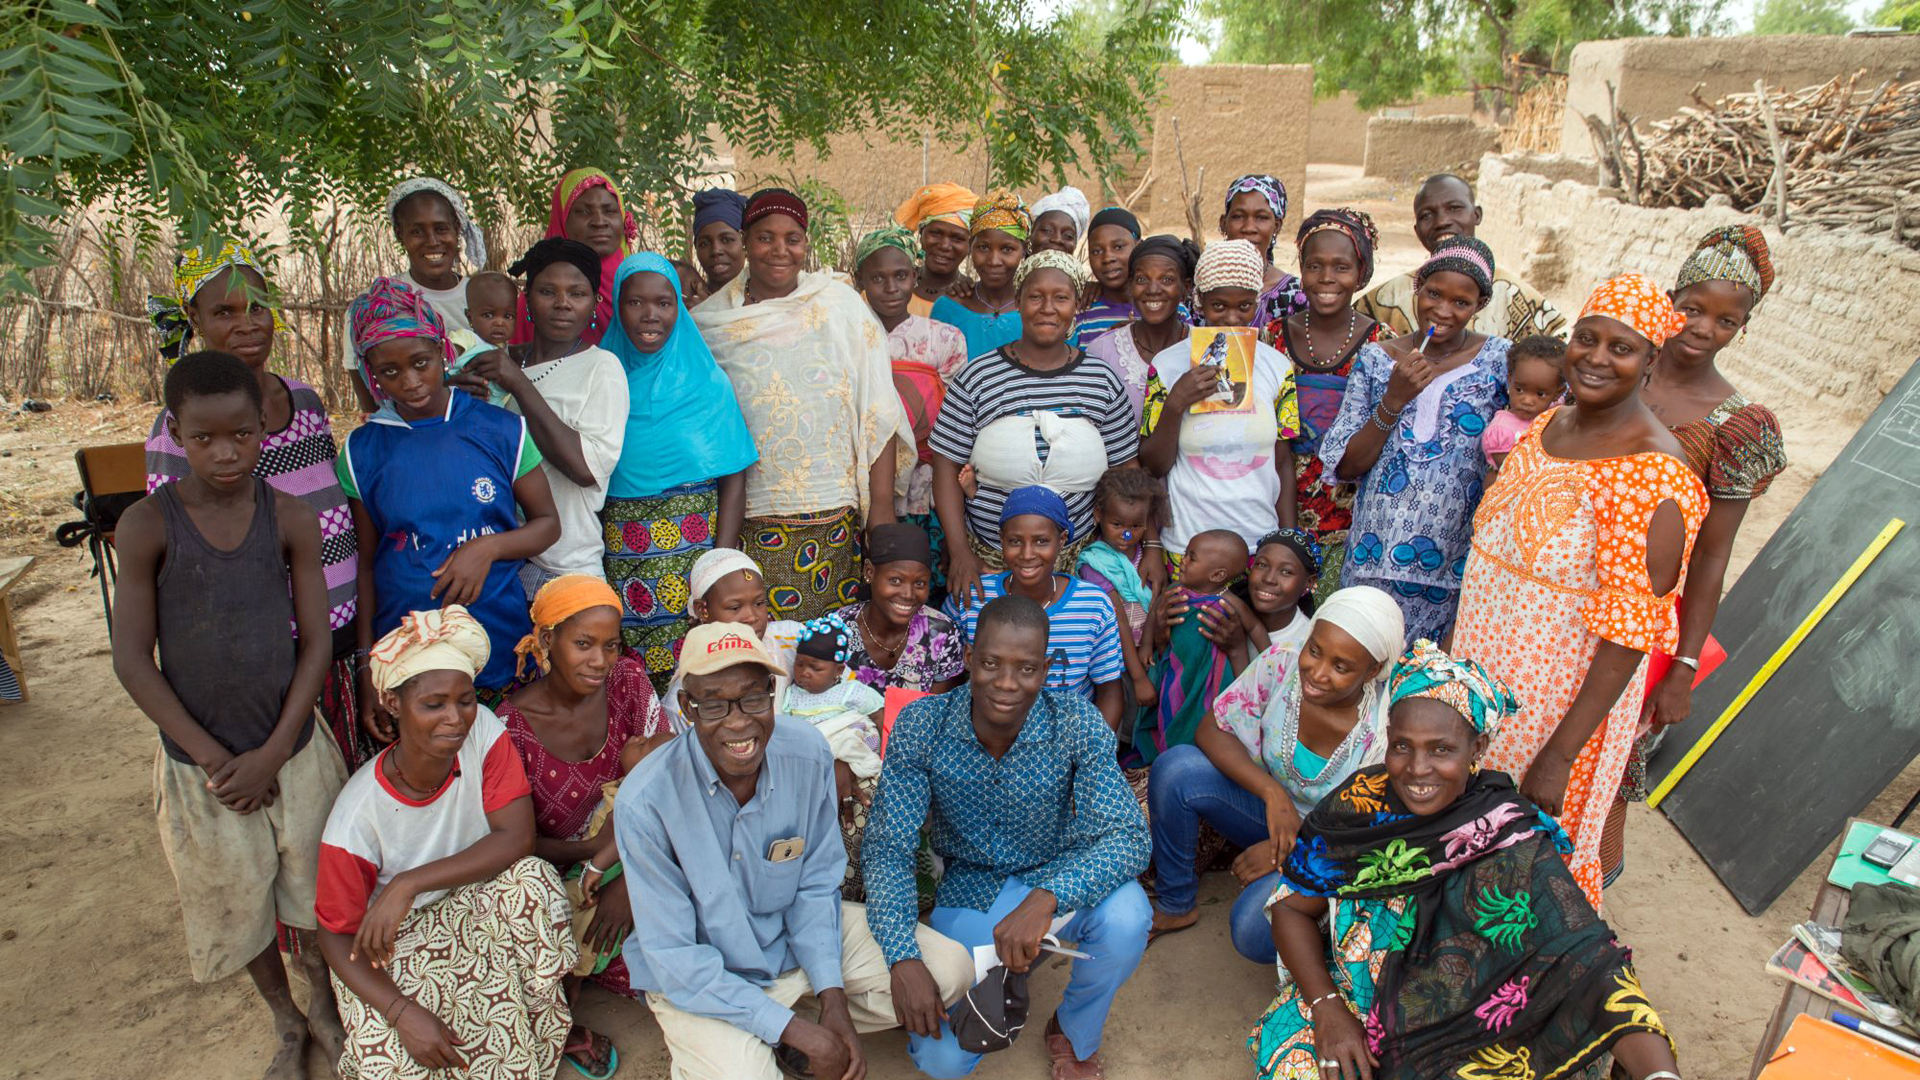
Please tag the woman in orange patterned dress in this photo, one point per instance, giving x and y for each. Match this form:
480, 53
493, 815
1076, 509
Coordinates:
1732, 444
1577, 550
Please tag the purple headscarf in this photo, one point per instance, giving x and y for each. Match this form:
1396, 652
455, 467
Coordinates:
1269, 188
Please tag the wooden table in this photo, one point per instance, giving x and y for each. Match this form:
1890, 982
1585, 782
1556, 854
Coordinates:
1830, 906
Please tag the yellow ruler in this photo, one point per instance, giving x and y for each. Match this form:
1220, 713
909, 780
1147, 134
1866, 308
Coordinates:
1779, 657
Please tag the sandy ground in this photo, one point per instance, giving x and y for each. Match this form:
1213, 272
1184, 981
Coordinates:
88, 906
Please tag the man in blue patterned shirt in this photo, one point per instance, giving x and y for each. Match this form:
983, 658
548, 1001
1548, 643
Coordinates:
1028, 808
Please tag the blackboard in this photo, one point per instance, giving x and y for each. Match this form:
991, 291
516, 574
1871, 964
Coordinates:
1840, 718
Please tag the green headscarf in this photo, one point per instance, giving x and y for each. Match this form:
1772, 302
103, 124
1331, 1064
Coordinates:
892, 236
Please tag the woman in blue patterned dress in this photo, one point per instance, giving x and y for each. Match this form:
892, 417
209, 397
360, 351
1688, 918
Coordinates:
1408, 435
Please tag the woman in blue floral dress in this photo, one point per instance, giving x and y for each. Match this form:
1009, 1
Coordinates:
1408, 435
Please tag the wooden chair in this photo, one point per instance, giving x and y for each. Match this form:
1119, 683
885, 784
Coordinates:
112, 478
13, 676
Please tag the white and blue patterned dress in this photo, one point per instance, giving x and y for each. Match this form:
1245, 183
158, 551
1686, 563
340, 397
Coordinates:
1413, 511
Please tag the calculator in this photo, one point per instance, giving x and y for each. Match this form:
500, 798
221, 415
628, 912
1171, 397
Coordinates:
1886, 849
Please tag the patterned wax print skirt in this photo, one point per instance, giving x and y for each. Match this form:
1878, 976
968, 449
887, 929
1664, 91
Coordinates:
652, 543
487, 959
812, 561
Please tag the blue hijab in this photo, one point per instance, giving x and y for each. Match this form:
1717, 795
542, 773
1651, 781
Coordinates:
683, 422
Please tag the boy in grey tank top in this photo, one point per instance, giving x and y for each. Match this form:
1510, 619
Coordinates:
213, 569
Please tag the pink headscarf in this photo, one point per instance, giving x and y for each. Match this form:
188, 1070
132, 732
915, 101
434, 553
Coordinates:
565, 193
391, 308
1633, 299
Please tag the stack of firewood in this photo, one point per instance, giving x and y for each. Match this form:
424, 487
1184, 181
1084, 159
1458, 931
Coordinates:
1842, 155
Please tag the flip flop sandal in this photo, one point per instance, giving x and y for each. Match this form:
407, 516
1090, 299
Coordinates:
1066, 1065
586, 1045
1156, 935
792, 1062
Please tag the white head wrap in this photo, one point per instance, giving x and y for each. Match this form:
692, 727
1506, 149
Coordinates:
1230, 264
1050, 260
472, 244
1069, 201
1368, 614
441, 639
714, 565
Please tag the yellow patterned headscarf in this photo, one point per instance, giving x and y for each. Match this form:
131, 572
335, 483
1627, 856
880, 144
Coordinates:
1001, 209
191, 271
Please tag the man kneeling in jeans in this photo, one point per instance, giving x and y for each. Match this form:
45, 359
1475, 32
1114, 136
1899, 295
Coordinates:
730, 839
1030, 812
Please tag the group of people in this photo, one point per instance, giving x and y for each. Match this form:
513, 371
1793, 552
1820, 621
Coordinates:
730, 632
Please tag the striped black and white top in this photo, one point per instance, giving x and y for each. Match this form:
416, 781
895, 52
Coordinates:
994, 385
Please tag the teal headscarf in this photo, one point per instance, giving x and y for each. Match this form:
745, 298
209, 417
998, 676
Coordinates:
1473, 691
683, 422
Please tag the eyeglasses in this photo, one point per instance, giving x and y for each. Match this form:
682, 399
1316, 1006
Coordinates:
715, 709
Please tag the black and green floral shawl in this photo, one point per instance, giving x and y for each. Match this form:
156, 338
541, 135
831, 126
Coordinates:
1498, 969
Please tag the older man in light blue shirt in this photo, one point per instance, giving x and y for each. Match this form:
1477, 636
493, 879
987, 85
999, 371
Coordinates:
730, 843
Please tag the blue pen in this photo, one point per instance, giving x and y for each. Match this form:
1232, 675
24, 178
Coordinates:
1424, 340
1882, 1034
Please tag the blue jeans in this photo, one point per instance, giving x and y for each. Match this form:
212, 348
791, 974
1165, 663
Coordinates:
1184, 788
1113, 932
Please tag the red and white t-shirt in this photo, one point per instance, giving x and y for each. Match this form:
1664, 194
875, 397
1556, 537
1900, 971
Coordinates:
375, 833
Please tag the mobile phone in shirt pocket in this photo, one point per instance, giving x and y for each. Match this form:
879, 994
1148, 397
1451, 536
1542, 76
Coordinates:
772, 885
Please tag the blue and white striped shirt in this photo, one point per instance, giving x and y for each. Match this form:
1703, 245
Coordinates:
1083, 634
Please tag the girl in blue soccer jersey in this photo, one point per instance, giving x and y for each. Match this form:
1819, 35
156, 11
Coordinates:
443, 487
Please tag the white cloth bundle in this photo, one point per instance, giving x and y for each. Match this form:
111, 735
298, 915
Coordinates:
1005, 456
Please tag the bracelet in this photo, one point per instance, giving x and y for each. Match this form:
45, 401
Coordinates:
1329, 995
1392, 414
395, 1018
397, 995
1662, 1075
1153, 544
588, 863
1695, 665
1374, 419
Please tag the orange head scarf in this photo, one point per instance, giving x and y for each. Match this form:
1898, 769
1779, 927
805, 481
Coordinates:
556, 602
946, 202
1635, 300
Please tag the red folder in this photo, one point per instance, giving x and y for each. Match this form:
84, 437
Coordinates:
1711, 656
897, 699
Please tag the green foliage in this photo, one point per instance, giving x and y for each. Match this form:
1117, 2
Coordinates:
1393, 50
207, 113
1904, 14
1373, 47
1087, 23
1802, 17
